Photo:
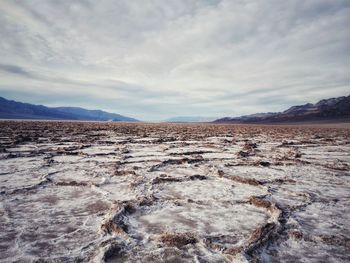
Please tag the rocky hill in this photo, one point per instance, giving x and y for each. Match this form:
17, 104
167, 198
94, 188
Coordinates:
325, 110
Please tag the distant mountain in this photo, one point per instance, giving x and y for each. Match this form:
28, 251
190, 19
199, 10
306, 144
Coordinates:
334, 109
10, 109
190, 119
93, 114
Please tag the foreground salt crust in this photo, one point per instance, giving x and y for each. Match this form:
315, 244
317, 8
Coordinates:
100, 192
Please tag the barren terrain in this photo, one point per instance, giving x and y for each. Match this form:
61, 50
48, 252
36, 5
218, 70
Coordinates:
114, 192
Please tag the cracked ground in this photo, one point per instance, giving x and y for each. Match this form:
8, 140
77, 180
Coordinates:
114, 192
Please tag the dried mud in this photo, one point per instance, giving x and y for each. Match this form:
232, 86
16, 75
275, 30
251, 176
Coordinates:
116, 192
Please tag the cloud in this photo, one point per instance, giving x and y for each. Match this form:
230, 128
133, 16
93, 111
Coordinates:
157, 59
12, 69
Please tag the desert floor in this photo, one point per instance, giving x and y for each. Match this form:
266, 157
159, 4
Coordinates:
116, 192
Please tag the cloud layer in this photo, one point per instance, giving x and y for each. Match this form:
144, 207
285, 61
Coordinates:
156, 59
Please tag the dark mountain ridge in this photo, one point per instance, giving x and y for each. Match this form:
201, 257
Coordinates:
324, 110
10, 109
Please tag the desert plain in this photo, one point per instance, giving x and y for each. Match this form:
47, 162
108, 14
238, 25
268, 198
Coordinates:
137, 192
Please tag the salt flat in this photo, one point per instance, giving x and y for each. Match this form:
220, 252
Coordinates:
117, 192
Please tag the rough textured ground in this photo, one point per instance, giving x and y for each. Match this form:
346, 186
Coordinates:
105, 192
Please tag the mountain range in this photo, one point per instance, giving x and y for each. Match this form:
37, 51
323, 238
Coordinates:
327, 110
334, 109
10, 109
182, 119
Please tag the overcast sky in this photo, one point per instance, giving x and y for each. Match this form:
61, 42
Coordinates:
154, 59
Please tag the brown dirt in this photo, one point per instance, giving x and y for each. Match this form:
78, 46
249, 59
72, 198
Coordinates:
258, 202
177, 240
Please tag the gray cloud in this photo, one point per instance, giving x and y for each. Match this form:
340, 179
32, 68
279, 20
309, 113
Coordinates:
156, 59
14, 70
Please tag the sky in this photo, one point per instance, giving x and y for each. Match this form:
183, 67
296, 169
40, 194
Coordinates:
157, 59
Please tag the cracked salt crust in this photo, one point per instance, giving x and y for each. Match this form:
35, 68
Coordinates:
109, 192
